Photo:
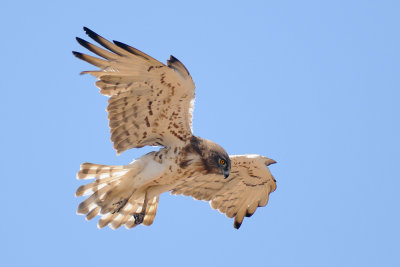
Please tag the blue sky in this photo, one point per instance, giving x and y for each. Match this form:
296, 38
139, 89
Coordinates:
311, 84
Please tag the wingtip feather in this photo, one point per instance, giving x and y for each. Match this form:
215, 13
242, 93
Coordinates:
80, 41
77, 54
82, 209
89, 31
237, 224
79, 192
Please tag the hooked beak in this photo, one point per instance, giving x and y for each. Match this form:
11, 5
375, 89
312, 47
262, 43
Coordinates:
226, 173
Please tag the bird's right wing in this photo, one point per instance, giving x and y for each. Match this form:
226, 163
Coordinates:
247, 187
150, 103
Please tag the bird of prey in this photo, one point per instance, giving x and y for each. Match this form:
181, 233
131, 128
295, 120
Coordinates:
151, 104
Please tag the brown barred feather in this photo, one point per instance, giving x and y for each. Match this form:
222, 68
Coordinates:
151, 104
156, 98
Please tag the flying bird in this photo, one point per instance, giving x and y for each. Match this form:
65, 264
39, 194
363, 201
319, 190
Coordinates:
151, 104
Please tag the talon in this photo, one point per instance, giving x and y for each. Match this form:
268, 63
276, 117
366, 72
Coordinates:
138, 218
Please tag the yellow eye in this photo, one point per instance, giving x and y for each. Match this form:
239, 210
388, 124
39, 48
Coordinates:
222, 162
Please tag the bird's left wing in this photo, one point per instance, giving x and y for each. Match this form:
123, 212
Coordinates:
247, 187
150, 103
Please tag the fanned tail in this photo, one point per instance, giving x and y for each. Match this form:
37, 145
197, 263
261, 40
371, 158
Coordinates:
114, 197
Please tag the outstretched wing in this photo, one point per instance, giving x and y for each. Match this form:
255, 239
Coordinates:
150, 103
247, 187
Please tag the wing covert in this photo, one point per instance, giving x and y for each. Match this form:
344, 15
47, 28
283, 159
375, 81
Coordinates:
247, 187
150, 103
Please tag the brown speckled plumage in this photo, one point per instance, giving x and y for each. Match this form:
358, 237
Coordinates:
151, 104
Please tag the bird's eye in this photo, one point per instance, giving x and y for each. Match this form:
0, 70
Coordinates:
222, 162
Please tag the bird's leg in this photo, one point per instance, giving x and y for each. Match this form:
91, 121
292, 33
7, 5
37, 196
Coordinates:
139, 217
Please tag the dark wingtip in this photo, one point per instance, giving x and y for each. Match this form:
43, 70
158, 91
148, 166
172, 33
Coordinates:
81, 41
123, 46
172, 59
91, 33
77, 54
174, 63
237, 225
87, 29
85, 44
80, 56
248, 214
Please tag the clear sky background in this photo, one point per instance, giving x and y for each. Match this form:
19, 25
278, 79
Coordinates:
312, 84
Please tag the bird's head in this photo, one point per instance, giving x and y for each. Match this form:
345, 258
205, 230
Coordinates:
217, 159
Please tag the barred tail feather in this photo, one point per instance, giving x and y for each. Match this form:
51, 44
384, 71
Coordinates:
114, 197
151, 211
91, 170
93, 213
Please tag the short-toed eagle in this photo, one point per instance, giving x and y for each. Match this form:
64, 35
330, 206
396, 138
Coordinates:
151, 104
